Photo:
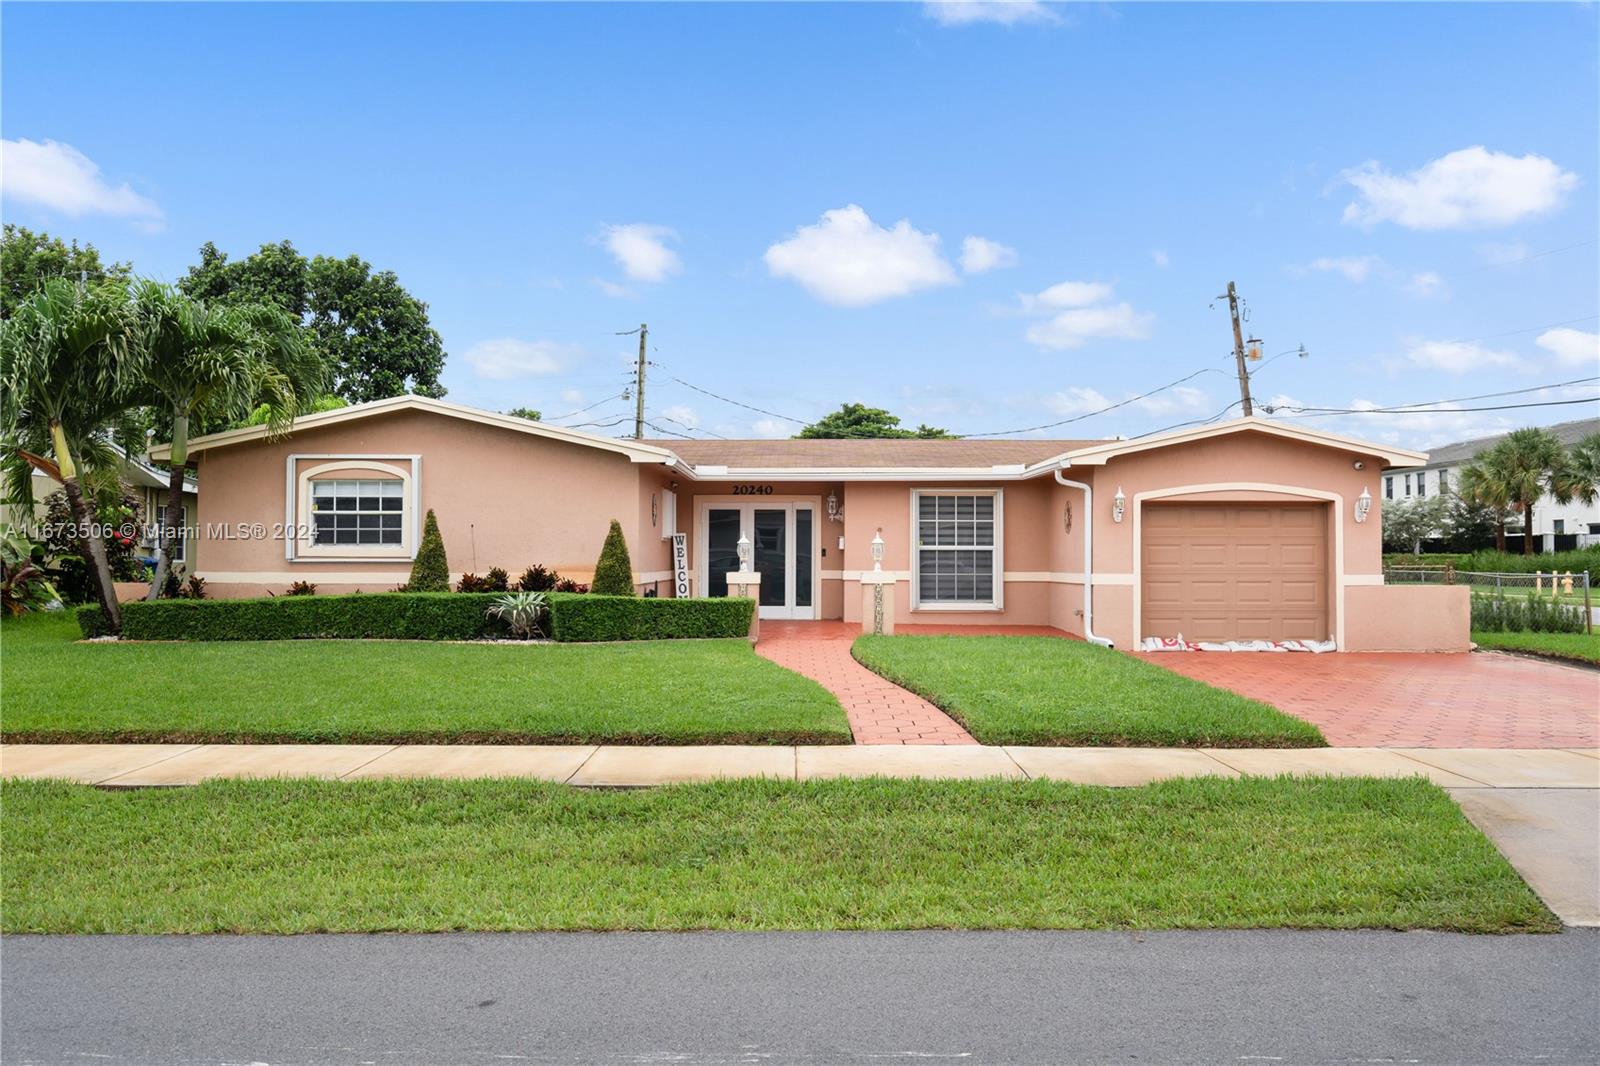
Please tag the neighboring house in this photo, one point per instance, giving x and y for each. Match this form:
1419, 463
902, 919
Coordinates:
147, 482
1242, 530
1559, 526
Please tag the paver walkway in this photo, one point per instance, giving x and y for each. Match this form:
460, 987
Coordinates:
880, 712
1476, 700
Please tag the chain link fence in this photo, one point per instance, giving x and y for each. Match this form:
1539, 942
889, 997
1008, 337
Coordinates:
1542, 599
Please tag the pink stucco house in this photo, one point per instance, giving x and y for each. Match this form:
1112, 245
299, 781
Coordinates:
1240, 530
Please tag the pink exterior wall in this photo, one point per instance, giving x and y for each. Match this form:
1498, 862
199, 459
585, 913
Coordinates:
502, 498
1241, 467
1408, 618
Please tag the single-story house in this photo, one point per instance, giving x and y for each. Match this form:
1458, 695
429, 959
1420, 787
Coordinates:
1248, 529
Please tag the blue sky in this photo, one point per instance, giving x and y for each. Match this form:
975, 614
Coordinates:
785, 194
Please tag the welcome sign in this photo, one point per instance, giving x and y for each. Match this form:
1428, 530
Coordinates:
680, 565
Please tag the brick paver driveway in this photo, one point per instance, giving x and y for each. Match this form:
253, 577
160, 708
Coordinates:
1476, 700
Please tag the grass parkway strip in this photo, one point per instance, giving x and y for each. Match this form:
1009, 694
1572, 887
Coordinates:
1047, 691
1571, 647
307, 856
59, 689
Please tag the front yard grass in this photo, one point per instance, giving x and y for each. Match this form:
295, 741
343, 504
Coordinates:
55, 689
1050, 691
311, 856
1577, 647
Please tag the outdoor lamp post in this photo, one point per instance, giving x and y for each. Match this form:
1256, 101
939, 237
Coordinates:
744, 552
877, 551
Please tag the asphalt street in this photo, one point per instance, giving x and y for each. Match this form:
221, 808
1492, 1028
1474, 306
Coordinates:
707, 998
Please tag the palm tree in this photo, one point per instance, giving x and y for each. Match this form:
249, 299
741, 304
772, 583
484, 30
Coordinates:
1530, 463
1583, 470
65, 371
208, 362
1481, 482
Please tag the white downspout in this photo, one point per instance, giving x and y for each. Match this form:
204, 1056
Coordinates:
1088, 558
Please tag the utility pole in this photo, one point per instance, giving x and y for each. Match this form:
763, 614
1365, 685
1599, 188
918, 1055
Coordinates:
638, 393
1238, 350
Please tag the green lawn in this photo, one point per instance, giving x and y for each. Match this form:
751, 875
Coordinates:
656, 692
1579, 647
1045, 690
305, 856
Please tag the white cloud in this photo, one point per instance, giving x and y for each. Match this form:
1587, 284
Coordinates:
612, 289
1180, 400
980, 255
59, 177
1069, 294
1355, 268
1161, 258
1469, 188
1427, 284
682, 414
1572, 347
1458, 357
772, 428
1004, 12
641, 250
572, 397
505, 358
849, 260
1075, 400
1075, 328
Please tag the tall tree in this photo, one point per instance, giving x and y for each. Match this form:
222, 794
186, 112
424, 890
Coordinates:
855, 421
1583, 469
28, 258
65, 375
199, 360
373, 335
1527, 464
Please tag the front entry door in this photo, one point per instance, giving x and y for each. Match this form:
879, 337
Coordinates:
782, 550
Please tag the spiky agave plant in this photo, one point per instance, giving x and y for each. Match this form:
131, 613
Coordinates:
523, 612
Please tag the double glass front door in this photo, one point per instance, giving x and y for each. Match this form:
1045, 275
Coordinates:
783, 551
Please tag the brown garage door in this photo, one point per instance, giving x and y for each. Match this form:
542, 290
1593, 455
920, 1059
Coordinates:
1249, 571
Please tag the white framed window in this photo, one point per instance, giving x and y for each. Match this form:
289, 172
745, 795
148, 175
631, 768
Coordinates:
1422, 483
1408, 484
1388, 487
355, 508
365, 512
1444, 481
180, 549
956, 563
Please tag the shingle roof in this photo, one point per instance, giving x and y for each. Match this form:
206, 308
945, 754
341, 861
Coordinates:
866, 454
1568, 433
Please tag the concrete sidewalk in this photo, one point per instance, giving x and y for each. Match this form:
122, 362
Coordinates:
620, 766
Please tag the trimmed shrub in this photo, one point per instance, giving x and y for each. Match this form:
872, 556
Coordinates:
431, 570
473, 583
302, 588
498, 580
92, 621
1529, 613
613, 574
419, 616
1584, 560
596, 617
403, 616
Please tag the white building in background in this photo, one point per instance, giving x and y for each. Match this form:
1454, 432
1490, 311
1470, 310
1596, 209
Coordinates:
1558, 526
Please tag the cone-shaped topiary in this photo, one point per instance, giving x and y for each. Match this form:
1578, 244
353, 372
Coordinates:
613, 574
431, 570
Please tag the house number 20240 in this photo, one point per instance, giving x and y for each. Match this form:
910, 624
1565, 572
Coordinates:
752, 490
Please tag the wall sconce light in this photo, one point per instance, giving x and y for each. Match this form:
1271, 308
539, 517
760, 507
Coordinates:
877, 551
1363, 504
1119, 504
743, 549
834, 514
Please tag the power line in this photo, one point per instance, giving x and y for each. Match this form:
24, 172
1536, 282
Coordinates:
1323, 412
736, 403
1456, 399
591, 407
1101, 411
1520, 259
685, 425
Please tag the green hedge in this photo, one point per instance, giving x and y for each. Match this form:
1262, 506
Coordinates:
419, 616
576, 617
1493, 562
1529, 613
